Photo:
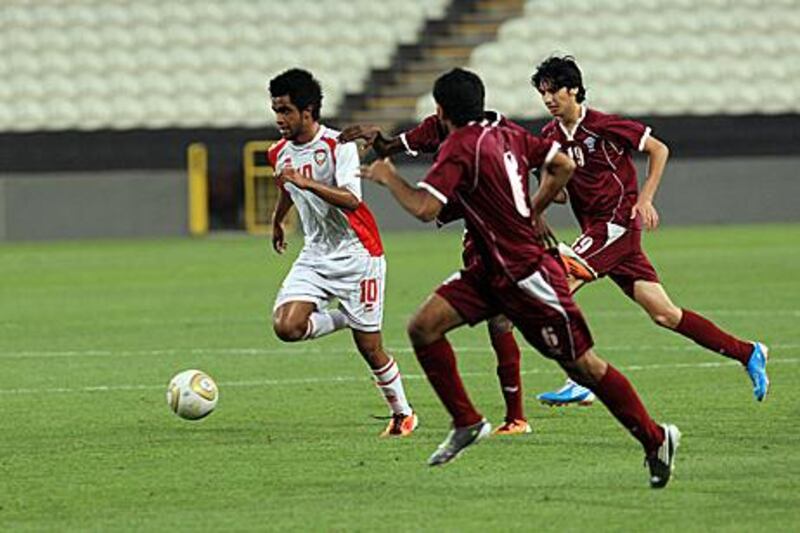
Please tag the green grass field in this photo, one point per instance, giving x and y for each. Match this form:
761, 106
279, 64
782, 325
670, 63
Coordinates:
90, 333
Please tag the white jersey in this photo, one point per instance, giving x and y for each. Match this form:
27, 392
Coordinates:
327, 229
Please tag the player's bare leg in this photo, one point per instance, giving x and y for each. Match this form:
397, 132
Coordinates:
618, 395
508, 372
752, 355
389, 381
427, 330
297, 321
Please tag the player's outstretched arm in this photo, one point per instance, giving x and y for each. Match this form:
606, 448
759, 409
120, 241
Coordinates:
384, 147
658, 153
554, 177
281, 209
336, 196
420, 203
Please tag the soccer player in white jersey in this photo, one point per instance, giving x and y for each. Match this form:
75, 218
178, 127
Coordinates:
342, 258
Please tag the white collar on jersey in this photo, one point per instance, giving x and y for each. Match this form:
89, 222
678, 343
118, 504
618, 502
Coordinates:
491, 118
316, 137
571, 134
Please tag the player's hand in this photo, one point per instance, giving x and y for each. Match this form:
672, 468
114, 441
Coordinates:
544, 234
381, 171
648, 212
367, 132
291, 175
278, 239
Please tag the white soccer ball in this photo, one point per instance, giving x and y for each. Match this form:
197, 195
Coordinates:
192, 394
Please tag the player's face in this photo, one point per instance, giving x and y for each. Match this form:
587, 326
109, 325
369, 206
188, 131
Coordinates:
559, 102
290, 121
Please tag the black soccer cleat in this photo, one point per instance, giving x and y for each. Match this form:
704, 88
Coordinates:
662, 462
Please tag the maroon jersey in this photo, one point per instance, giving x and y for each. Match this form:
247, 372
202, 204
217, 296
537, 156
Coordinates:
484, 167
604, 186
426, 138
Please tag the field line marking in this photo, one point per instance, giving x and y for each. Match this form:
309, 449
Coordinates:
306, 349
352, 379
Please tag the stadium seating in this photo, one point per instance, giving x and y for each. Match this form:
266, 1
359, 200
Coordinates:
90, 64
651, 57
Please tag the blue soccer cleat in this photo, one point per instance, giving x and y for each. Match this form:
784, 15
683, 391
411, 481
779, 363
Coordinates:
570, 393
757, 370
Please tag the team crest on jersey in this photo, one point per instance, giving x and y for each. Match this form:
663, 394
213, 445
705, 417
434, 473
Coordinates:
589, 142
320, 156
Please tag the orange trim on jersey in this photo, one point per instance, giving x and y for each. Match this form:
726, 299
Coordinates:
275, 149
366, 229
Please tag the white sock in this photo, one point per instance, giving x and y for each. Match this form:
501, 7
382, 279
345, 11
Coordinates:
322, 323
389, 381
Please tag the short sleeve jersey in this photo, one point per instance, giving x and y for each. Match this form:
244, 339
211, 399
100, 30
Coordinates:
484, 168
604, 187
328, 229
428, 136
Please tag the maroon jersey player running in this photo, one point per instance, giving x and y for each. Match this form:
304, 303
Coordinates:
427, 137
611, 212
484, 168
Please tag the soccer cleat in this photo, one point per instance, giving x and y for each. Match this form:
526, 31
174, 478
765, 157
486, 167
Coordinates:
457, 441
515, 427
570, 393
757, 370
662, 462
576, 265
401, 425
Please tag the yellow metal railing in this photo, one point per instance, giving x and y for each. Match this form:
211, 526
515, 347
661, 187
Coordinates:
260, 193
197, 164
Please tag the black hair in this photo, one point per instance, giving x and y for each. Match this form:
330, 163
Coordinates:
460, 93
557, 72
303, 89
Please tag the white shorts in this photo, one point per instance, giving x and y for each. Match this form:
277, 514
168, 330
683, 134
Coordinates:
357, 281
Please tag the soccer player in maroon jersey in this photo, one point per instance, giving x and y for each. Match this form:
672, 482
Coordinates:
426, 138
484, 169
611, 212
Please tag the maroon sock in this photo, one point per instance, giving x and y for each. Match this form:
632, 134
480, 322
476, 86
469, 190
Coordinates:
508, 358
708, 335
619, 396
439, 363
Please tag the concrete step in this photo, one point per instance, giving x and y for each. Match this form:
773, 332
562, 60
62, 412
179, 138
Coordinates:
392, 102
395, 98
444, 52
416, 86
471, 40
384, 115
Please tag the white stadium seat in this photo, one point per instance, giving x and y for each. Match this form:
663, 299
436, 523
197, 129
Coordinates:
185, 63
654, 57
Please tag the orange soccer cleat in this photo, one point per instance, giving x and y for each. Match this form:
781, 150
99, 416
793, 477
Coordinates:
575, 265
515, 427
401, 425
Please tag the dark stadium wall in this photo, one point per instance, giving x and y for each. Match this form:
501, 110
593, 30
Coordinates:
716, 136
92, 204
133, 183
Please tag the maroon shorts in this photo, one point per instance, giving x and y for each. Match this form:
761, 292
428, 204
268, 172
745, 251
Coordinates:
616, 252
540, 306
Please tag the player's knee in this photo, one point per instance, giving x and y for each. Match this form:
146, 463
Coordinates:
499, 325
667, 318
420, 331
289, 331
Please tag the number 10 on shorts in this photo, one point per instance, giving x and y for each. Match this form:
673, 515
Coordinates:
369, 292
